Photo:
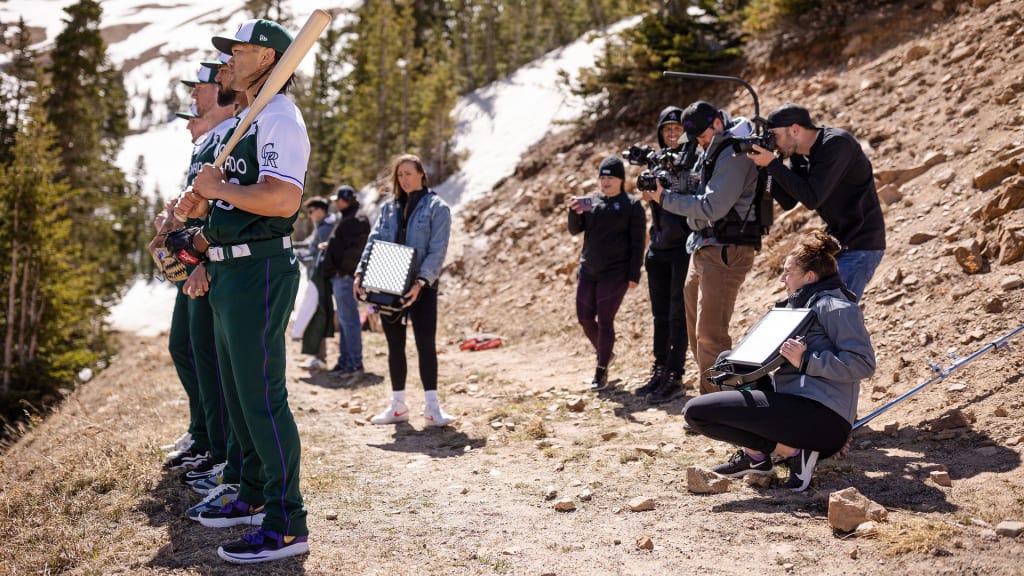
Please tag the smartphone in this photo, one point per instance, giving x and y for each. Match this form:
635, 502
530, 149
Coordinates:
585, 203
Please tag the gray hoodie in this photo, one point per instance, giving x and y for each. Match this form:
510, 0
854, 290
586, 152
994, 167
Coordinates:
839, 355
731, 185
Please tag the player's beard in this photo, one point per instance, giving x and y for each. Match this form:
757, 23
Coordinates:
225, 96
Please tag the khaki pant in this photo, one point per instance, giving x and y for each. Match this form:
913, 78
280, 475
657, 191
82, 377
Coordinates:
712, 284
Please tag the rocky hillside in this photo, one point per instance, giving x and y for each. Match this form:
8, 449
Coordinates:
935, 93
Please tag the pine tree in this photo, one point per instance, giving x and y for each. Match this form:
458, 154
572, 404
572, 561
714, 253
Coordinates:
50, 313
87, 105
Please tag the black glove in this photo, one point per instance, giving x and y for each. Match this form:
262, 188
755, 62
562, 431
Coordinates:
181, 244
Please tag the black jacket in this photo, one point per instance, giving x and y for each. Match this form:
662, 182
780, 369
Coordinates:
836, 181
345, 246
613, 239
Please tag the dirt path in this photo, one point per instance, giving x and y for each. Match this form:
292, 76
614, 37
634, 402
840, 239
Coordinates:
472, 499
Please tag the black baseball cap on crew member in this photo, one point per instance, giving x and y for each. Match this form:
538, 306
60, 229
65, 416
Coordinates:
260, 32
345, 192
612, 166
789, 114
697, 117
205, 76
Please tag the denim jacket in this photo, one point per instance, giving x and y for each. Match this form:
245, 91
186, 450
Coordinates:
429, 227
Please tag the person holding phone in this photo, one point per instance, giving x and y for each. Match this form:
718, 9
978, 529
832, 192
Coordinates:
612, 223
811, 411
415, 216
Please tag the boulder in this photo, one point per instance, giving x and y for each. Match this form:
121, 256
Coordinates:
1010, 198
994, 175
848, 509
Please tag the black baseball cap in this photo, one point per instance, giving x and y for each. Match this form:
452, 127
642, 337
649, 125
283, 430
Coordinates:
346, 193
697, 117
789, 114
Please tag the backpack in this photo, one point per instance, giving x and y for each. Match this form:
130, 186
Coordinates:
733, 229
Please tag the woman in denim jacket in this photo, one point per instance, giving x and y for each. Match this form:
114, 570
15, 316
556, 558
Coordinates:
416, 217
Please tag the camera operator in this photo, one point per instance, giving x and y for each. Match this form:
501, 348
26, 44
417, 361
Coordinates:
666, 263
830, 174
721, 244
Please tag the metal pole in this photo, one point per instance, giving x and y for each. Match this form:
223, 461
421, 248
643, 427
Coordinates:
740, 81
940, 374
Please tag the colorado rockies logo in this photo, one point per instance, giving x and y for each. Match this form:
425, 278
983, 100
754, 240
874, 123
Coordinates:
269, 156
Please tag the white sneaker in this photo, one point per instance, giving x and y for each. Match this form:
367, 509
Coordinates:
396, 412
436, 417
315, 364
179, 445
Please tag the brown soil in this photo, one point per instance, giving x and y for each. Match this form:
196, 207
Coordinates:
83, 493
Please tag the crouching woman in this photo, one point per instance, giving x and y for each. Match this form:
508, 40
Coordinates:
811, 411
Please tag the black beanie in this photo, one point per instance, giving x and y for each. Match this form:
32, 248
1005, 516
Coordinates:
612, 166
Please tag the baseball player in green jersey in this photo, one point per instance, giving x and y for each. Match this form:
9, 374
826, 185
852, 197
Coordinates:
254, 274
220, 483
205, 478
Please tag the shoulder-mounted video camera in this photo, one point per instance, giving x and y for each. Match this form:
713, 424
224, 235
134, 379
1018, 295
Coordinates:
765, 140
662, 165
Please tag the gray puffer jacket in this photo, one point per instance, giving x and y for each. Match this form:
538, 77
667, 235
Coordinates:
839, 355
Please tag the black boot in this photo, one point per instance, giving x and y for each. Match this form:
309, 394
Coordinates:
600, 381
671, 388
657, 374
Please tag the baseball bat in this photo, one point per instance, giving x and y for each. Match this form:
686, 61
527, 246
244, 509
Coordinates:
284, 69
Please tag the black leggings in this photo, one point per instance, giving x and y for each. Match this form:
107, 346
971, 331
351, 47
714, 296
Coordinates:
759, 420
423, 315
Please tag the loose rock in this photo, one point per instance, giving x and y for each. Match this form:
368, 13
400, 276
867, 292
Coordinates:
941, 478
550, 493
1010, 529
703, 481
848, 509
641, 504
575, 403
565, 505
867, 529
952, 419
645, 543
1011, 283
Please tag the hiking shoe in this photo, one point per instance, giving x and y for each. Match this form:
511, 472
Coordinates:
347, 371
670, 389
740, 465
657, 374
801, 468
263, 546
185, 460
395, 413
214, 501
234, 513
600, 381
436, 417
182, 443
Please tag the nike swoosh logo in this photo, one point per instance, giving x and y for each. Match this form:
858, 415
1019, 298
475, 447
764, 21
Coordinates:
399, 414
